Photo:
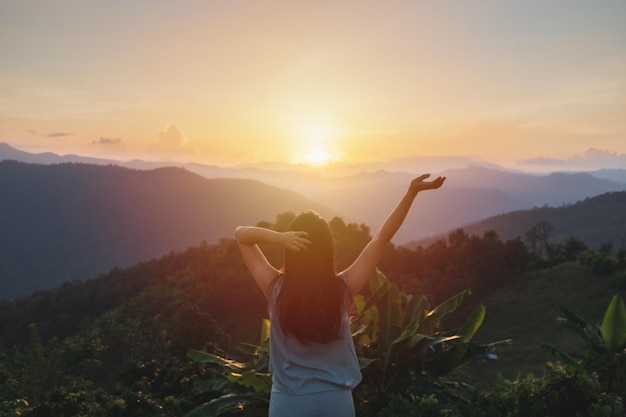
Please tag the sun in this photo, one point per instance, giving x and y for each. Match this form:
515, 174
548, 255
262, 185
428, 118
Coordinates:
318, 157
316, 144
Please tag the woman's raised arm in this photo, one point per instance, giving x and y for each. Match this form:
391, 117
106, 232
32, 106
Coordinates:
358, 273
248, 238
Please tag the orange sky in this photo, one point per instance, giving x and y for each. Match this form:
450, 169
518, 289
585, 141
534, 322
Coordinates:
231, 82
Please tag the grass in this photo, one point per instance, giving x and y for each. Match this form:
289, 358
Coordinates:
527, 311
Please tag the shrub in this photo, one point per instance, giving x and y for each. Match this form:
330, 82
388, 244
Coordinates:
425, 406
600, 263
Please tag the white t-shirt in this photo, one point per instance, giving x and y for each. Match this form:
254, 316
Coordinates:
314, 367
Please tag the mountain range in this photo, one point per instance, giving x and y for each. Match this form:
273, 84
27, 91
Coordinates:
366, 193
69, 217
72, 221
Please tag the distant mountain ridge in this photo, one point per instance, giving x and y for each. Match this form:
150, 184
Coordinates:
473, 191
9, 153
73, 221
552, 189
62, 221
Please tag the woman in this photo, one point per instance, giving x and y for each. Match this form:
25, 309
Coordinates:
312, 355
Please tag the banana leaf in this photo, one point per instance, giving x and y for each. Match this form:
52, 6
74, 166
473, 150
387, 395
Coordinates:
613, 327
213, 385
585, 329
448, 306
258, 381
472, 324
410, 329
205, 357
563, 357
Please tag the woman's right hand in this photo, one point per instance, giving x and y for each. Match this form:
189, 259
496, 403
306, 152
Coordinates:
418, 184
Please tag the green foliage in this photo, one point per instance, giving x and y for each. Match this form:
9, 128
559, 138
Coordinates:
411, 406
16, 407
562, 391
538, 237
91, 374
398, 340
572, 248
128, 360
621, 257
116, 345
401, 346
593, 220
482, 263
350, 239
613, 326
600, 263
605, 355
244, 386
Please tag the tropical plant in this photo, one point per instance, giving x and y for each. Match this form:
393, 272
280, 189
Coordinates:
245, 385
605, 354
400, 343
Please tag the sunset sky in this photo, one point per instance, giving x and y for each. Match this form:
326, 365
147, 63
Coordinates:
519, 83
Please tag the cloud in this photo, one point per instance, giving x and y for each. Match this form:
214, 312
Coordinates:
593, 158
171, 142
58, 134
49, 135
171, 136
107, 141
109, 147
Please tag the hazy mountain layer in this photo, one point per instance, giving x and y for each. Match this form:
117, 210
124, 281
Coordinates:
69, 221
73, 221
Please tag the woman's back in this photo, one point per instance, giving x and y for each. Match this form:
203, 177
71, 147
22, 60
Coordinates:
310, 367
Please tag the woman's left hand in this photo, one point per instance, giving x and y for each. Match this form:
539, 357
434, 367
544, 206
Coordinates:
295, 241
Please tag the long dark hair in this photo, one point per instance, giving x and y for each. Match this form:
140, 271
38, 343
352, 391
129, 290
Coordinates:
311, 300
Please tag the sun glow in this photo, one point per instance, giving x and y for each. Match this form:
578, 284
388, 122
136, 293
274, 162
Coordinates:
316, 144
318, 157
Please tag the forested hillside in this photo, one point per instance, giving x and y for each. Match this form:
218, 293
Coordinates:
596, 221
115, 345
74, 221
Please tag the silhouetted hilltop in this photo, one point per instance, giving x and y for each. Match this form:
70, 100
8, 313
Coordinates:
595, 221
73, 221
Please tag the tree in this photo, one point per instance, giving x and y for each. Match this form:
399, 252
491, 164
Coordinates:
606, 248
573, 247
538, 238
517, 255
350, 239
